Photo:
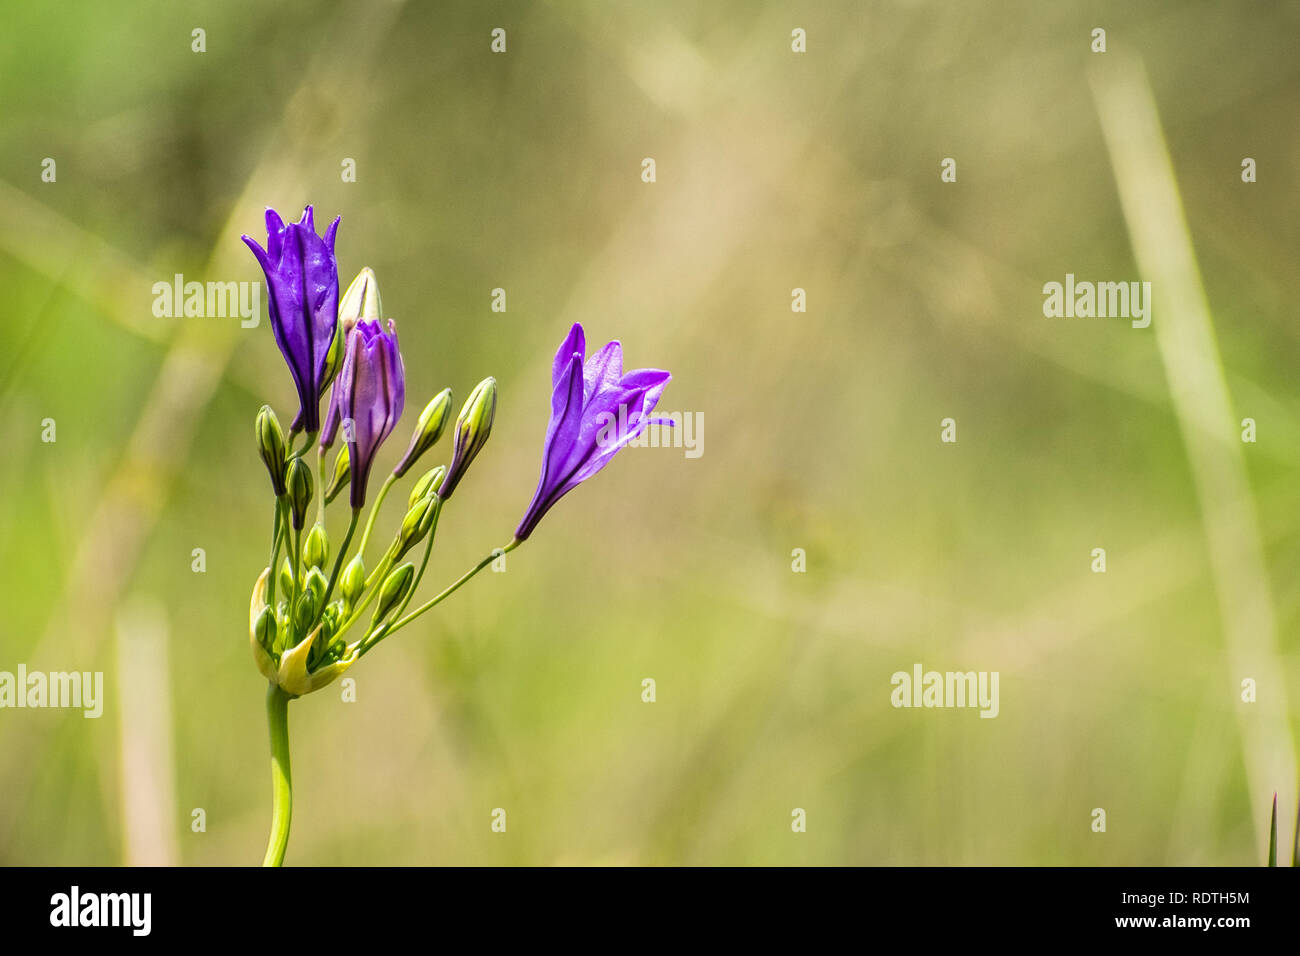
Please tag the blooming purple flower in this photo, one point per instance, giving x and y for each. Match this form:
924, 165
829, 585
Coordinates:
596, 409
369, 392
302, 279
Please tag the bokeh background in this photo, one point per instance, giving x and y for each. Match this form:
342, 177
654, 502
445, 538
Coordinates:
775, 170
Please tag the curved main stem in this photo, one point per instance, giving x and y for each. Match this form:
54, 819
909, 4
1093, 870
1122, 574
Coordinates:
277, 717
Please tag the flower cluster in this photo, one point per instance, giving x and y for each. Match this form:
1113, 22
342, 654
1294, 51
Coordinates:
345, 353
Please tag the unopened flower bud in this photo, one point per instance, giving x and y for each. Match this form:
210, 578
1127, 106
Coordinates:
299, 485
286, 577
257, 628
334, 357
428, 482
416, 524
361, 301
270, 445
324, 634
472, 430
394, 590
317, 582
342, 475
316, 549
308, 606
428, 429
353, 583
264, 628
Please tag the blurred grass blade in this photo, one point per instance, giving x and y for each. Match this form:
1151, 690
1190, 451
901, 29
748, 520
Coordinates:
1272, 836
1185, 338
1295, 843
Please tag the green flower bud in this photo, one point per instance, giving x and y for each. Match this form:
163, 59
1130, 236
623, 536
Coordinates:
317, 582
361, 301
316, 549
353, 583
264, 628
270, 445
331, 617
472, 430
308, 606
286, 577
282, 634
428, 482
394, 590
342, 475
299, 485
428, 429
334, 358
416, 524
257, 609
324, 636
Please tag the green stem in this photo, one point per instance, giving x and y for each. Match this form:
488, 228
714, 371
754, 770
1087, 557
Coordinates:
311, 437
338, 560
275, 550
297, 578
428, 550
374, 510
277, 716
356, 613
320, 488
448, 592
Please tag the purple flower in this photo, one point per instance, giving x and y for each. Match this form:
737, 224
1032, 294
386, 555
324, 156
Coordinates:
596, 409
369, 394
302, 278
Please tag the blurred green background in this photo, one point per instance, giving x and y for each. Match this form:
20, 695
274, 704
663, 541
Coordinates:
775, 170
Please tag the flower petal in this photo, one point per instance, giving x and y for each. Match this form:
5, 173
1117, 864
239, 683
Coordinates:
274, 234
653, 380
330, 232
566, 421
603, 370
575, 341
263, 258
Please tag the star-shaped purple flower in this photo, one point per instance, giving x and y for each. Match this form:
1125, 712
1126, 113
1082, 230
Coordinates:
302, 279
596, 409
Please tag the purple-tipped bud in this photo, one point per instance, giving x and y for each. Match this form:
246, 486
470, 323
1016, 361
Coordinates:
473, 427
368, 397
302, 280
428, 429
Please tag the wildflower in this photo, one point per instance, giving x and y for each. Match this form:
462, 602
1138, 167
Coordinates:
584, 405
302, 280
